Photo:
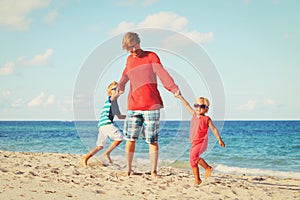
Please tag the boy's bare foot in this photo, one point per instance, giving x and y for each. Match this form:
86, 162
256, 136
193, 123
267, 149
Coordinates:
208, 171
84, 161
107, 157
198, 182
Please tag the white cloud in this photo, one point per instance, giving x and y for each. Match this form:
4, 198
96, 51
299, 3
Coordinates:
50, 100
269, 102
123, 26
201, 37
51, 17
149, 2
41, 59
250, 105
67, 105
258, 104
166, 20
5, 93
17, 103
15, 14
136, 2
41, 100
7, 69
38, 60
37, 101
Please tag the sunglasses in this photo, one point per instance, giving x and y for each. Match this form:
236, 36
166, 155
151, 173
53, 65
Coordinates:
203, 106
114, 88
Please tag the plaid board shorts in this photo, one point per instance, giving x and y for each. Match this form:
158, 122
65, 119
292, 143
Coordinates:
145, 122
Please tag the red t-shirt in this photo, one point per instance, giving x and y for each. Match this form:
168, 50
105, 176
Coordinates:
142, 73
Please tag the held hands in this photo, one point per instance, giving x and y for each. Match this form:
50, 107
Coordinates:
177, 94
120, 91
115, 95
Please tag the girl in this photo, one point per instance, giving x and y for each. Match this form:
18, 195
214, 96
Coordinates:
198, 135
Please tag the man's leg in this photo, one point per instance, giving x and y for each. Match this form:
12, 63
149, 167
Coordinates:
153, 151
130, 148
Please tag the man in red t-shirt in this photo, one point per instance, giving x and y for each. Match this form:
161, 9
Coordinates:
144, 100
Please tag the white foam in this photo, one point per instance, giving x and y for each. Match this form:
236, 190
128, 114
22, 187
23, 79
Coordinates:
248, 171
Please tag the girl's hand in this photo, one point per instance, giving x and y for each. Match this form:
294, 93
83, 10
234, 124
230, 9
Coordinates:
177, 94
222, 144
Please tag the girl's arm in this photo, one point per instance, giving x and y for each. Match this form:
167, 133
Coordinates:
216, 132
185, 103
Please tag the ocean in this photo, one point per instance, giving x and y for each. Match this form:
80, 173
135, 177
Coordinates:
267, 148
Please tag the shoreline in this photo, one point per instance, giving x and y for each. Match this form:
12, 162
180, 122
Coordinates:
26, 175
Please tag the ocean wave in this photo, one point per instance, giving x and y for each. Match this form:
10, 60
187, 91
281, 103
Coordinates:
261, 172
144, 164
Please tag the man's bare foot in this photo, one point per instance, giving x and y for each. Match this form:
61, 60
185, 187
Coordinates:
123, 174
154, 174
208, 171
198, 182
127, 173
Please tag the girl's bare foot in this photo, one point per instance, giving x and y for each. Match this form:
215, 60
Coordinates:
208, 171
198, 182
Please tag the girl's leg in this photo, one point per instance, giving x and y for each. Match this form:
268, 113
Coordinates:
198, 180
111, 147
208, 169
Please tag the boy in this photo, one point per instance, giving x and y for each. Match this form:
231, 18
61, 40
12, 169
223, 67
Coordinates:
106, 126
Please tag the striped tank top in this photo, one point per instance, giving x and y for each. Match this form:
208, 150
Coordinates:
106, 115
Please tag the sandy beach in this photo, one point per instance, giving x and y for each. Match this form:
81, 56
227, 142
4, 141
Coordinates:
60, 176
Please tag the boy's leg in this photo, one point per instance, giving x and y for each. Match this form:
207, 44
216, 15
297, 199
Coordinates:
111, 147
130, 148
208, 169
153, 151
116, 136
90, 154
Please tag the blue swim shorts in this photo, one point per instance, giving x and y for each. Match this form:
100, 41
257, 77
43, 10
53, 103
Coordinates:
145, 122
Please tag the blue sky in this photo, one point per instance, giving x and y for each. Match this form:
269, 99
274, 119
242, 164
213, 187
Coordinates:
253, 44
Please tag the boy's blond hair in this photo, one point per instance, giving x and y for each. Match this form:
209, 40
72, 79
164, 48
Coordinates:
130, 37
110, 86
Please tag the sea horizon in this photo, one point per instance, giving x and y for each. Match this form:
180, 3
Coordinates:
257, 147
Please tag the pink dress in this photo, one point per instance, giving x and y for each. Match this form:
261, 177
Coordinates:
198, 138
